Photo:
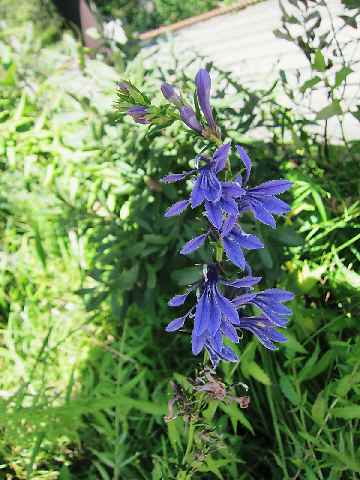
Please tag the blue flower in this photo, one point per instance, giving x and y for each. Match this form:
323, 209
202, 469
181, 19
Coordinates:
235, 241
274, 314
207, 186
262, 200
187, 113
214, 317
264, 330
270, 302
140, 114
226, 207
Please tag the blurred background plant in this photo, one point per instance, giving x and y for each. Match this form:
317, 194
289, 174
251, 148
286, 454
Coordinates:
142, 15
87, 267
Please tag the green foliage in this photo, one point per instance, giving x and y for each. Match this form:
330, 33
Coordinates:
87, 267
139, 15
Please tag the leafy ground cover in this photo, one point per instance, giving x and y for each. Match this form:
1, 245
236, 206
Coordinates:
87, 267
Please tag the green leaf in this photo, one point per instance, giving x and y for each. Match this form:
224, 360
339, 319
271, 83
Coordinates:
351, 21
341, 75
308, 278
310, 83
40, 250
356, 113
319, 409
186, 276
293, 345
174, 434
350, 412
330, 111
282, 35
236, 416
319, 62
321, 365
319, 204
346, 383
288, 389
151, 276
128, 278
309, 365
288, 236
266, 257
255, 371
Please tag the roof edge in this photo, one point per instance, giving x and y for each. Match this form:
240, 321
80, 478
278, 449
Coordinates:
241, 4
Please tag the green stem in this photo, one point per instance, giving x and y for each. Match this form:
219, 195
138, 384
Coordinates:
190, 440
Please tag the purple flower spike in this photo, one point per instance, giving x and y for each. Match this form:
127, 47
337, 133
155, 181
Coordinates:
203, 86
188, 116
139, 114
170, 94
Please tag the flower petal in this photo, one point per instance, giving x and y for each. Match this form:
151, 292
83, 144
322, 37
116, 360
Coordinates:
228, 225
214, 213
261, 214
215, 317
178, 300
278, 294
193, 244
197, 342
203, 85
202, 314
227, 308
232, 189
229, 206
272, 187
220, 157
176, 324
246, 240
275, 205
246, 161
276, 307
170, 94
234, 253
262, 328
175, 177
211, 185
229, 331
177, 208
214, 357
197, 194
188, 116
244, 299
228, 354
244, 282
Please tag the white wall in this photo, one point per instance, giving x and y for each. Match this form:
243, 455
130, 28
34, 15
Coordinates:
243, 42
